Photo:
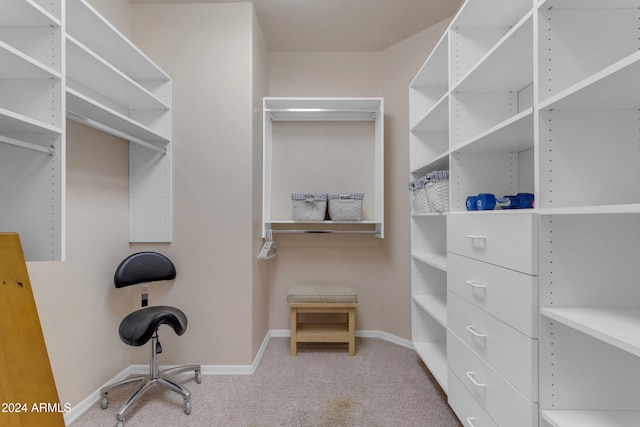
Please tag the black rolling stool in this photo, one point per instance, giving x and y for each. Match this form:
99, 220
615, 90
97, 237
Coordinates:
142, 325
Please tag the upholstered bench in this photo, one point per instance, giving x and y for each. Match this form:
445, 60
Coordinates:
322, 299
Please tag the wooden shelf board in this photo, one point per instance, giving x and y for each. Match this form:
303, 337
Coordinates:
322, 332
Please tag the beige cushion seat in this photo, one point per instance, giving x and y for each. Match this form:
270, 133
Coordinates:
313, 298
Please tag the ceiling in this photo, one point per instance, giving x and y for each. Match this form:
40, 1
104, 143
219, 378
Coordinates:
340, 25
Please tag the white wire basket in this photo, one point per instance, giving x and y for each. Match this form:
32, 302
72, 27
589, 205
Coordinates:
430, 193
345, 206
309, 206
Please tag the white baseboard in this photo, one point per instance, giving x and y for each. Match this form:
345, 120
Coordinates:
80, 408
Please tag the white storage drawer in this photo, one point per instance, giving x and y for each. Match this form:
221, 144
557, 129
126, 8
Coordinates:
468, 410
502, 402
501, 238
508, 351
507, 294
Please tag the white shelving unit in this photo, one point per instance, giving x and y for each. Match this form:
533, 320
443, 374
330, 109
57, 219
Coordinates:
536, 100
323, 145
62, 57
429, 151
32, 105
114, 87
588, 201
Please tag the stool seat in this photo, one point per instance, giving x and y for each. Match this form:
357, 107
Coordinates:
138, 327
322, 299
321, 294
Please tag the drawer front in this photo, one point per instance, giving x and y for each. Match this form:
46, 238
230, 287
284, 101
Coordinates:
507, 294
508, 351
505, 239
505, 405
468, 410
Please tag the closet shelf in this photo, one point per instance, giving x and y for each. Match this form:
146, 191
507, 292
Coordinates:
303, 146
26, 13
512, 135
615, 87
632, 208
98, 35
490, 14
434, 305
92, 71
17, 65
434, 72
436, 119
436, 260
578, 418
615, 326
440, 162
587, 4
322, 109
434, 355
507, 66
79, 105
13, 123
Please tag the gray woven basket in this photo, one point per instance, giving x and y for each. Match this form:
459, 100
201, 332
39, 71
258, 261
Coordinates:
345, 206
430, 193
309, 206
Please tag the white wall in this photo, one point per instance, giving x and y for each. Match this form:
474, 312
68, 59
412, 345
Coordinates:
208, 51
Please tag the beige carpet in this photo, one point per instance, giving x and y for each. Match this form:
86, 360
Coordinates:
384, 385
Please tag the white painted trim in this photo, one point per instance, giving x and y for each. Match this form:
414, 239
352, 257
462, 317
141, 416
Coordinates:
80, 408
387, 337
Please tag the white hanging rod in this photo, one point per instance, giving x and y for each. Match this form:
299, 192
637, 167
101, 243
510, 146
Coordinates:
323, 231
29, 145
115, 132
320, 110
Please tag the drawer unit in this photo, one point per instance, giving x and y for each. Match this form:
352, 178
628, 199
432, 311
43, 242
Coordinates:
508, 351
507, 294
503, 403
505, 239
465, 406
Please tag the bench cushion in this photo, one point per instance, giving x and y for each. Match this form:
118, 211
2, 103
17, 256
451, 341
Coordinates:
321, 294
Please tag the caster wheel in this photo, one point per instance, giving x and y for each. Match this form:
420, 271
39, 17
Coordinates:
104, 403
187, 407
198, 377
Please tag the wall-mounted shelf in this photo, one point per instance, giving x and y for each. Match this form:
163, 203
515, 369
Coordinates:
73, 61
329, 145
32, 126
114, 87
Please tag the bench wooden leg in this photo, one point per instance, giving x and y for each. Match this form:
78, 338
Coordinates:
294, 327
352, 331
